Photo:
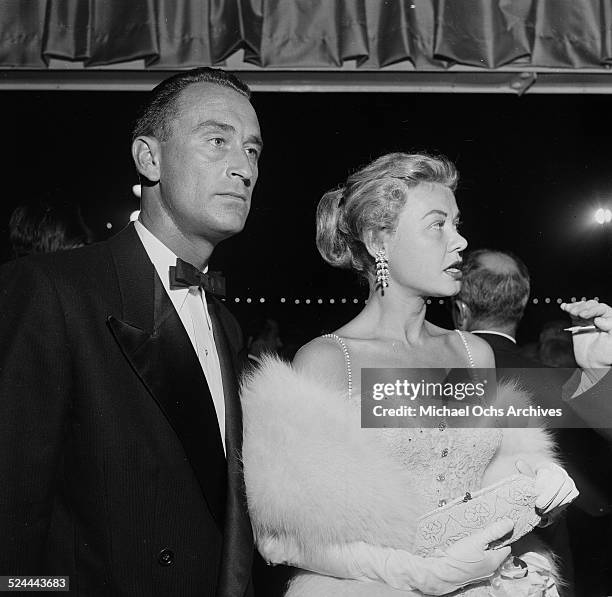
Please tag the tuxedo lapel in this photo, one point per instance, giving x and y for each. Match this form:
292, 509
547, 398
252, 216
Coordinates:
238, 543
154, 341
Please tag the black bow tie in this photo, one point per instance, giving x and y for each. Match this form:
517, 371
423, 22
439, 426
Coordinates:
184, 275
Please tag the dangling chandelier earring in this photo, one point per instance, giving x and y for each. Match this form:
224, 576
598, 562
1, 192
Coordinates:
382, 271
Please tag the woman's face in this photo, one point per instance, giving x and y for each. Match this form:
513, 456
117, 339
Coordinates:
425, 250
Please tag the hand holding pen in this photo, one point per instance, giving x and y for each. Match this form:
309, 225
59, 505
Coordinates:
591, 333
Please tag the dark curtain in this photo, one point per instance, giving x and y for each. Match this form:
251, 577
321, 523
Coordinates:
308, 33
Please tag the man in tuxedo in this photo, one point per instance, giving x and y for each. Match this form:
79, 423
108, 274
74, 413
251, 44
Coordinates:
121, 427
494, 292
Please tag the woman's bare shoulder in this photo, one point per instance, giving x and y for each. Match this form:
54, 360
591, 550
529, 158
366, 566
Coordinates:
323, 357
480, 350
482, 353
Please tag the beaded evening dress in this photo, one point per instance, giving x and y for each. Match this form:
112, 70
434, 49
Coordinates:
446, 462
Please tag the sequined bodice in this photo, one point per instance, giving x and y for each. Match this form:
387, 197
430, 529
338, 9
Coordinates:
445, 462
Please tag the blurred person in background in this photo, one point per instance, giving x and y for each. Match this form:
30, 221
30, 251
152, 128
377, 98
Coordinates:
555, 345
263, 337
45, 228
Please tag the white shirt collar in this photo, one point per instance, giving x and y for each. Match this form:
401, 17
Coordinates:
162, 258
159, 253
495, 334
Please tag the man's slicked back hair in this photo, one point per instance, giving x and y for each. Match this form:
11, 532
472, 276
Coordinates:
162, 106
494, 297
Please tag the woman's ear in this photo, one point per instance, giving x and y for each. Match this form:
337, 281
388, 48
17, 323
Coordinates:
146, 154
375, 240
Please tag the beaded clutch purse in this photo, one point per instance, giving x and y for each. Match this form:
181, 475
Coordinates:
513, 497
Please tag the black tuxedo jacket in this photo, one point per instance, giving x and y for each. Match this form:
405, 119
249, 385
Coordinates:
507, 353
111, 467
542, 382
594, 406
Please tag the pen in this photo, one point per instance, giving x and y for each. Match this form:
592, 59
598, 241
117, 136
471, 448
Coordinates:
581, 328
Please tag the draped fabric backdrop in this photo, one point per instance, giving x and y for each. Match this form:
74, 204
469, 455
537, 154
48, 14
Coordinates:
303, 34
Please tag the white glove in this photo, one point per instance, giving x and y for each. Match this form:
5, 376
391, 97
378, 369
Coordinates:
554, 487
466, 562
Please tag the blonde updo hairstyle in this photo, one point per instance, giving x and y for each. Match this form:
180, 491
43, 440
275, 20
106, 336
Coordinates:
371, 200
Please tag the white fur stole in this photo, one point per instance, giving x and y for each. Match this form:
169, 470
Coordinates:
313, 474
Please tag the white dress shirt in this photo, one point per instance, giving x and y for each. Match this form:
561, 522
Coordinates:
190, 304
507, 336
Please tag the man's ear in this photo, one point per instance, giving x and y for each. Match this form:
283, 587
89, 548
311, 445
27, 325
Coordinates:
146, 154
462, 315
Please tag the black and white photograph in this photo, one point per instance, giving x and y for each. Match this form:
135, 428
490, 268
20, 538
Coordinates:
306, 298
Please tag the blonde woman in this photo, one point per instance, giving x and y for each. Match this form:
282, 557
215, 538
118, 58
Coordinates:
342, 502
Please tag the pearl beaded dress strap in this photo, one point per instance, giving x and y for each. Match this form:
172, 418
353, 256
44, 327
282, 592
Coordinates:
467, 349
347, 361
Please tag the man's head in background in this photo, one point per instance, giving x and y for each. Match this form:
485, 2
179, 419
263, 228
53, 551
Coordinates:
45, 228
494, 292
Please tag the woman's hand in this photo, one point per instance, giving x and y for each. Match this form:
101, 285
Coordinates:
465, 562
554, 487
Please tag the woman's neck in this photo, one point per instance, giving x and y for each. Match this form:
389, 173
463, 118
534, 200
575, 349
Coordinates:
394, 316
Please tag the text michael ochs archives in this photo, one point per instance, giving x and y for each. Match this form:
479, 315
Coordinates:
453, 398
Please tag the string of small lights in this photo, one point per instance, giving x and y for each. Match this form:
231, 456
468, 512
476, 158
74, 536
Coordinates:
343, 301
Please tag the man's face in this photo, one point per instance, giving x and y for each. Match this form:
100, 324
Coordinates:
208, 163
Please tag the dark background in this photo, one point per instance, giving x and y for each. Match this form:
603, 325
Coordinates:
533, 169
